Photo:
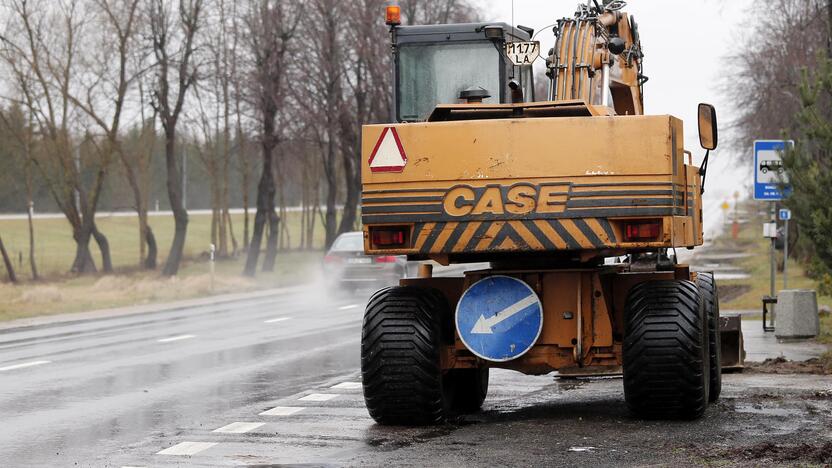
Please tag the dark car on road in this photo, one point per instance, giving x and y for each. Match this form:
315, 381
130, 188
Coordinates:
347, 266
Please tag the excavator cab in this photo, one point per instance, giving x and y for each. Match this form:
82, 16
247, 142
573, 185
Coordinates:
455, 63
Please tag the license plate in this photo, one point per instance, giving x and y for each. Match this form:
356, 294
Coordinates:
360, 260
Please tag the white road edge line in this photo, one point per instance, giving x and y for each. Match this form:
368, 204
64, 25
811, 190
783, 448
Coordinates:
283, 411
275, 320
22, 365
319, 397
176, 338
239, 427
348, 307
346, 386
187, 448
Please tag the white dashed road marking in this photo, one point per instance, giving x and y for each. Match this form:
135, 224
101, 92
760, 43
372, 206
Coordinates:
22, 365
319, 397
348, 307
347, 386
283, 411
176, 338
187, 448
275, 320
239, 427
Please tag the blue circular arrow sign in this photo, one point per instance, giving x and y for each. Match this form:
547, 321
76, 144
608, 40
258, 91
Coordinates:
499, 318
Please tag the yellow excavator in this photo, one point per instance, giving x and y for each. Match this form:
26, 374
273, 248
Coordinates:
577, 201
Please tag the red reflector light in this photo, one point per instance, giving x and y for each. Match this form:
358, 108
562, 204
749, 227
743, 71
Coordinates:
332, 259
393, 15
388, 237
642, 231
386, 259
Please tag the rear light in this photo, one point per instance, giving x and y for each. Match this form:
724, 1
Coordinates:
332, 259
386, 259
393, 16
642, 231
389, 236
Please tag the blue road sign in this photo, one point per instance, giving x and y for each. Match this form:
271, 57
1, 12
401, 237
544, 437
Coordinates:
499, 318
768, 169
784, 214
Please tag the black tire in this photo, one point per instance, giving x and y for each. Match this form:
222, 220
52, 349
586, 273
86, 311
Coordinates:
710, 295
666, 351
468, 388
400, 369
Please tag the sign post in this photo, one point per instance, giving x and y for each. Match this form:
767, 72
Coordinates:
769, 177
785, 215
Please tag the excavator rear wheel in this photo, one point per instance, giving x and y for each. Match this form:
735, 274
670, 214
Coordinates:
400, 368
710, 294
666, 358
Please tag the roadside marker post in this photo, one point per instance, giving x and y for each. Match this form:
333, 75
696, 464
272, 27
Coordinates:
785, 215
213, 250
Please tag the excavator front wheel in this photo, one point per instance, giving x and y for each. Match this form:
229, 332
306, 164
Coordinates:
400, 368
666, 356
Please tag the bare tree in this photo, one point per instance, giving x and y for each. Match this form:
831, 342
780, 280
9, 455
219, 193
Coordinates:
368, 80
764, 77
323, 93
19, 128
271, 26
106, 80
173, 35
437, 11
40, 47
215, 105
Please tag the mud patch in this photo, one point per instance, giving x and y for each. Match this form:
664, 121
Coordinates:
781, 365
769, 451
729, 292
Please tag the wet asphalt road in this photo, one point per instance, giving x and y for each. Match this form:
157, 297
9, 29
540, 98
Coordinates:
86, 392
274, 380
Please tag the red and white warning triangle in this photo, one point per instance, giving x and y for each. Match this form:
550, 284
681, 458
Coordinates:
388, 155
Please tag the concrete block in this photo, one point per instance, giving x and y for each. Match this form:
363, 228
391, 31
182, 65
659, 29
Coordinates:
796, 314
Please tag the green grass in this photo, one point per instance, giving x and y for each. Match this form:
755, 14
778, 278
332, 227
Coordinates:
55, 248
90, 292
60, 292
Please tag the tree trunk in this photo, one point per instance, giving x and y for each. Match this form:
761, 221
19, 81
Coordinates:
8, 262
104, 247
148, 259
152, 250
265, 209
180, 216
271, 244
353, 178
234, 245
331, 189
83, 262
30, 212
32, 264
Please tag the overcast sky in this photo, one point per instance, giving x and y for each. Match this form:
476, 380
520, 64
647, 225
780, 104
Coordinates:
684, 42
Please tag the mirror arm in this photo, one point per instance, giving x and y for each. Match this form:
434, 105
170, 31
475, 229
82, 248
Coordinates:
703, 171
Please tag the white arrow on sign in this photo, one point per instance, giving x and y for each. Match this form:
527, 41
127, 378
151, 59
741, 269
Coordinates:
484, 325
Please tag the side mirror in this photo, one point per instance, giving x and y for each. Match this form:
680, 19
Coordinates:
707, 126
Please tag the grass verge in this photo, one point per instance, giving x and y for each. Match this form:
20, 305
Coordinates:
55, 248
90, 292
758, 266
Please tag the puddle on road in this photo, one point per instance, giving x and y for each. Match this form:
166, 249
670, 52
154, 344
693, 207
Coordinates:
767, 410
